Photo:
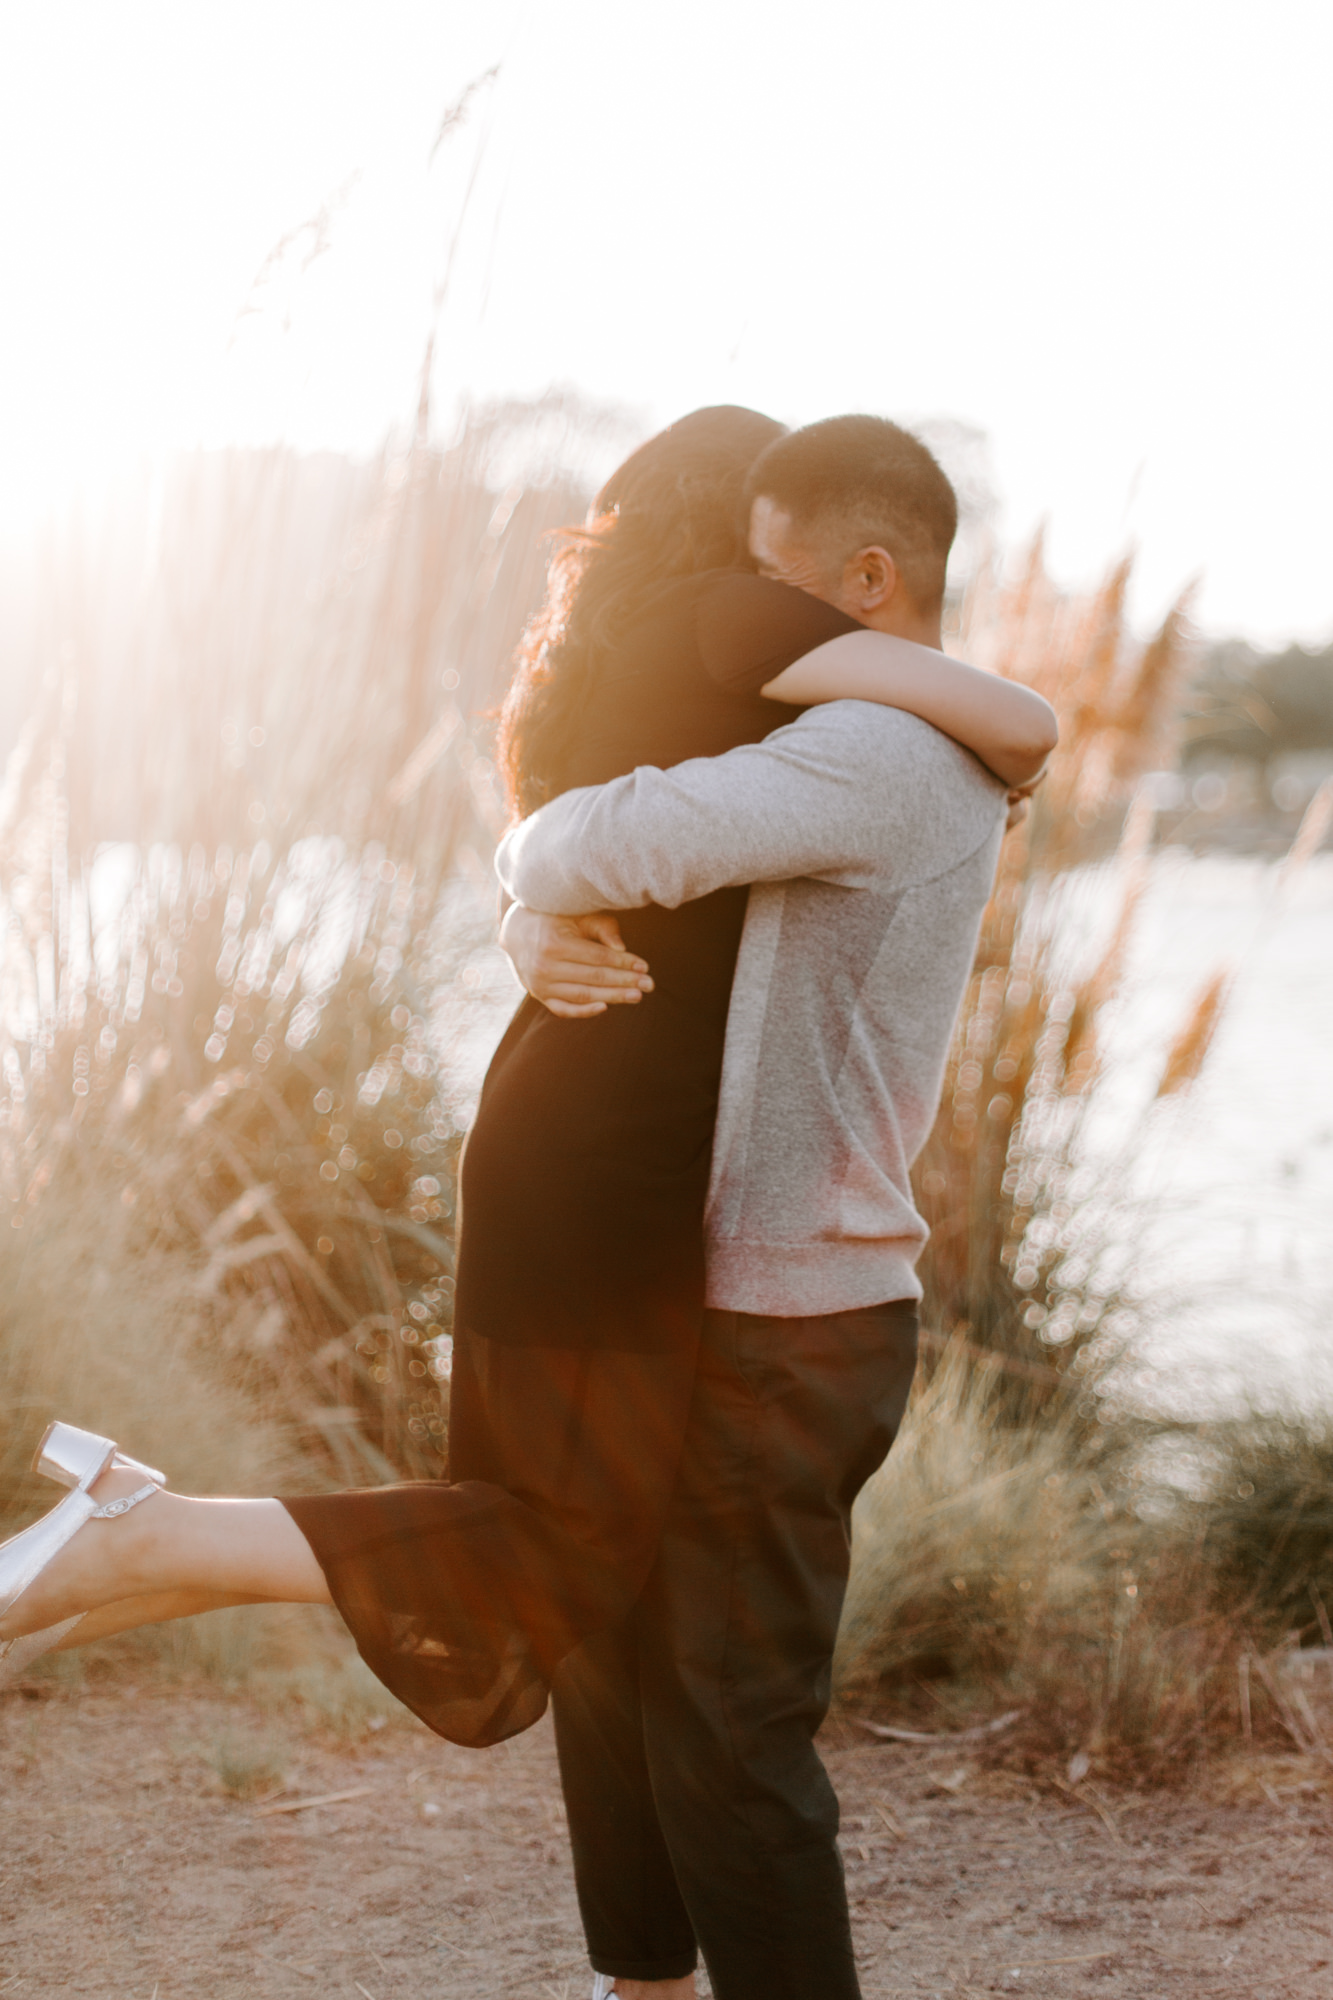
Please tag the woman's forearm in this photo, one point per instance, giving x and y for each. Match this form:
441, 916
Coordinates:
1010, 728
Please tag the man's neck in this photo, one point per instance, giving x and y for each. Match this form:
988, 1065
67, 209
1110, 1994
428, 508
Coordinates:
923, 628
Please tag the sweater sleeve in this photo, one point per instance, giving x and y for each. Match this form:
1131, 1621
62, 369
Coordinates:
850, 793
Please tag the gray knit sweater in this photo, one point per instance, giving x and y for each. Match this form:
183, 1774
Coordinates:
871, 842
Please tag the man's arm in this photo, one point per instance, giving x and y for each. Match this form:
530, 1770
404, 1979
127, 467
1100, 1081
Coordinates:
847, 793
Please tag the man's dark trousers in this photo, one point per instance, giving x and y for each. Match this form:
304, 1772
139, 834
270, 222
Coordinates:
700, 1814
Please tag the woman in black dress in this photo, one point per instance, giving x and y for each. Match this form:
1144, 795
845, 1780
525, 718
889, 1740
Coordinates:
580, 1284
580, 1279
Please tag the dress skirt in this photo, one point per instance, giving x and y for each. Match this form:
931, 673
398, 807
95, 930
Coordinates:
465, 1594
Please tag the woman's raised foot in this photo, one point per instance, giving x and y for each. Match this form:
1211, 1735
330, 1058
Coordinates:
217, 1550
66, 1562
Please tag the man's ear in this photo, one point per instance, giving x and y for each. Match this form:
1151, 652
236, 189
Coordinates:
870, 580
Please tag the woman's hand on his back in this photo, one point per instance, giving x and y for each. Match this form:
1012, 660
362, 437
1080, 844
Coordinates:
576, 966
1019, 799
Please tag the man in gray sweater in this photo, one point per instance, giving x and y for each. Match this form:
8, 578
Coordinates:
698, 1806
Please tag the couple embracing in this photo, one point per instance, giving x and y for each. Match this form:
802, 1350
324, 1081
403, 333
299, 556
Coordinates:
758, 817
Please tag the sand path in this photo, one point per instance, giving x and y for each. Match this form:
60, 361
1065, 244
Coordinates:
127, 1872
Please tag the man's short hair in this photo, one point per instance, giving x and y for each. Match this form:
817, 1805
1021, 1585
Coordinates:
858, 482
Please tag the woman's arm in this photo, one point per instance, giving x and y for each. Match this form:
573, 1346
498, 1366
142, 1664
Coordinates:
1010, 728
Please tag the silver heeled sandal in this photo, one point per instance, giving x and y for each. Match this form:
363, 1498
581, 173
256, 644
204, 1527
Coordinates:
76, 1459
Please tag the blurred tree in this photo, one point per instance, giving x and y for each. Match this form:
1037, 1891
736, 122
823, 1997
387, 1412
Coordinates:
1247, 704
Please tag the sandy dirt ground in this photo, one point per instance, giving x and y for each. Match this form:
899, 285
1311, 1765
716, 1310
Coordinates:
127, 1871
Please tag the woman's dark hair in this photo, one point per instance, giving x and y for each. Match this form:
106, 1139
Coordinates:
676, 507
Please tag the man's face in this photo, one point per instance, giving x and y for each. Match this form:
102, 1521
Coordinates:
776, 547
866, 587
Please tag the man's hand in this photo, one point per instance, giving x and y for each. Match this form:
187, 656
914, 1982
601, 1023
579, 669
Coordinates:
576, 966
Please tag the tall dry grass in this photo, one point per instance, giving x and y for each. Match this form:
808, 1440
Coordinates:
1017, 1263
108, 1331
1133, 1595
244, 860
1014, 1566
97, 1331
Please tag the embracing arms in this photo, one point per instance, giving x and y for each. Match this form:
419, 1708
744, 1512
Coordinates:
577, 964
1010, 728
856, 794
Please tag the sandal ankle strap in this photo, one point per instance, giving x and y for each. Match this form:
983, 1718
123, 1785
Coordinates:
114, 1508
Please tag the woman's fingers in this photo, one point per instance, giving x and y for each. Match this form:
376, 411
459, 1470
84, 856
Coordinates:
576, 966
605, 927
561, 964
582, 950
576, 993
570, 958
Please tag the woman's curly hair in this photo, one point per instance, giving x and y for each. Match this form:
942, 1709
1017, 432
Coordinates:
675, 508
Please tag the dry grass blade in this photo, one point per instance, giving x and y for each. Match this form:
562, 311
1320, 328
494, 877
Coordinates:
1243, 1684
304, 1805
1065, 1958
1304, 1741
977, 1734
1310, 833
268, 826
1187, 1053
1089, 1798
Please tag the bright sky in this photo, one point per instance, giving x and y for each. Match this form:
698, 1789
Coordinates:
1100, 232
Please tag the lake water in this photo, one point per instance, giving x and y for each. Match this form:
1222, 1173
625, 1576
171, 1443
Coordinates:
1232, 1193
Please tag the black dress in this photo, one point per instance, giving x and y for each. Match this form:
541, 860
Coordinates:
580, 1277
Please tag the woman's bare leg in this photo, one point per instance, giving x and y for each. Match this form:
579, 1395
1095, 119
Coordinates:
158, 1609
240, 1551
